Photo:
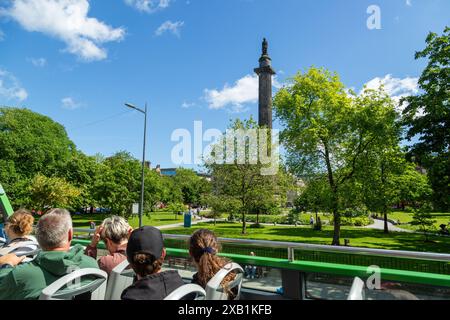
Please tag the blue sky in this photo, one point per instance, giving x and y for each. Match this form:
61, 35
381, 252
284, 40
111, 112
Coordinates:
80, 63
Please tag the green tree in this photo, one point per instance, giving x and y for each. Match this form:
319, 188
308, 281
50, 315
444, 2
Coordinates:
118, 187
379, 179
30, 143
424, 220
427, 117
53, 192
82, 171
192, 186
243, 180
327, 129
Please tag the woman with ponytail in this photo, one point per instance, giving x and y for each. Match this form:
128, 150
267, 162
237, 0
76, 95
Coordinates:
18, 229
203, 248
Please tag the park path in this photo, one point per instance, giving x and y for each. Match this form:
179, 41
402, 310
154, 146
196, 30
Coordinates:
379, 225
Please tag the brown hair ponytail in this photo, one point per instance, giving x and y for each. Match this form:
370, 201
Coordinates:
21, 223
203, 248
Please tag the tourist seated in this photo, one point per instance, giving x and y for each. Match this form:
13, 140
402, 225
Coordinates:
18, 229
114, 232
146, 254
250, 271
203, 248
54, 234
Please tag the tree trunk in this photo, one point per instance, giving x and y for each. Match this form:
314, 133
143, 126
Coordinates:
337, 228
244, 224
334, 188
257, 218
386, 227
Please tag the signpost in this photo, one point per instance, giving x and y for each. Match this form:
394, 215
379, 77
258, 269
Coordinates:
135, 209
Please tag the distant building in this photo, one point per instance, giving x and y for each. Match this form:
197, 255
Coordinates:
170, 172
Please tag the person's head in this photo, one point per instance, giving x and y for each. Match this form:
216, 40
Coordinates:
115, 232
19, 225
145, 251
54, 230
252, 253
203, 248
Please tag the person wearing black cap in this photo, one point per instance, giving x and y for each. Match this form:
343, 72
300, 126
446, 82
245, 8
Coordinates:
146, 253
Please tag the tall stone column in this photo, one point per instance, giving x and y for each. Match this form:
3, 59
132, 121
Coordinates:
265, 73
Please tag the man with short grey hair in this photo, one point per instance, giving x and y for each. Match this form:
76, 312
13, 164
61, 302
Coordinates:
114, 232
54, 234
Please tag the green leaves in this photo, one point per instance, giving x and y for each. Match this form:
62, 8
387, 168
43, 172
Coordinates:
54, 192
329, 133
427, 116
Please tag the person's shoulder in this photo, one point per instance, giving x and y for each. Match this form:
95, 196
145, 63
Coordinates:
25, 271
88, 262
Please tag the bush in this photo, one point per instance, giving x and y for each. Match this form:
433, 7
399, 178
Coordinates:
318, 225
355, 222
293, 216
266, 219
256, 226
211, 214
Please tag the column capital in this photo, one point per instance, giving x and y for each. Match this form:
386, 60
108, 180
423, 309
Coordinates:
266, 69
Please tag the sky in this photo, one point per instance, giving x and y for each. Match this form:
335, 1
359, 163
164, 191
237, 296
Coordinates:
79, 61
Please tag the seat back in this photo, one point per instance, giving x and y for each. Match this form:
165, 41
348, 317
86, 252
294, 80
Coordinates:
214, 289
119, 279
357, 290
71, 286
191, 291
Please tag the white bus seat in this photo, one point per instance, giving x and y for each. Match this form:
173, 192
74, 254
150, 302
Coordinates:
187, 291
119, 279
71, 285
357, 290
214, 289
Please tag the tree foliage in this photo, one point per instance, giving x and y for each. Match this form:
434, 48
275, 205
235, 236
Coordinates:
328, 130
241, 183
427, 116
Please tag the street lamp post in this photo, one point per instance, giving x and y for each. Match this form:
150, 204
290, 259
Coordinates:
141, 204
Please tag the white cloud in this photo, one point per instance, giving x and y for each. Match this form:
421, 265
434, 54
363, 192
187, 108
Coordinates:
244, 91
148, 6
68, 21
170, 26
70, 104
38, 62
187, 105
397, 88
409, 3
10, 88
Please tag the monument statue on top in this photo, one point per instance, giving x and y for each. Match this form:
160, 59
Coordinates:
265, 73
265, 47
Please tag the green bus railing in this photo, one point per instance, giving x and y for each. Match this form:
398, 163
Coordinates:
291, 260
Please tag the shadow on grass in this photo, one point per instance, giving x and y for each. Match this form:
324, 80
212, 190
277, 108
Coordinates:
358, 237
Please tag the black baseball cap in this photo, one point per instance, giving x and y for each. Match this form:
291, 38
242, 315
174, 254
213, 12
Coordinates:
147, 240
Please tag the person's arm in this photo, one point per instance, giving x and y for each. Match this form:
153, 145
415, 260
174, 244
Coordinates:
7, 281
10, 260
91, 249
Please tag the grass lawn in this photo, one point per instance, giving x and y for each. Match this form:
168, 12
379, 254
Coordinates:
405, 218
156, 219
359, 237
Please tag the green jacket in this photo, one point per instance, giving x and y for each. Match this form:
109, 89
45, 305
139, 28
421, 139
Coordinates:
26, 281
